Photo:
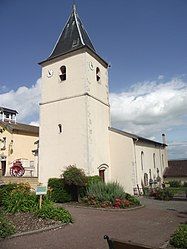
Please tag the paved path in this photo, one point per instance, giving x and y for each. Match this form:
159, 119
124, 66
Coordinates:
151, 225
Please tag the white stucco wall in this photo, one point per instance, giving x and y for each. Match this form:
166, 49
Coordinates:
122, 160
80, 105
98, 136
148, 163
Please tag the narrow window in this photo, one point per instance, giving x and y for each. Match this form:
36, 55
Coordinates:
154, 161
63, 73
98, 75
162, 161
60, 128
102, 174
146, 179
142, 160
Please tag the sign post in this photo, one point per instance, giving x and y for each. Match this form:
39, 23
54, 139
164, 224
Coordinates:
41, 190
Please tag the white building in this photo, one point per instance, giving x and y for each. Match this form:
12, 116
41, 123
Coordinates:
75, 123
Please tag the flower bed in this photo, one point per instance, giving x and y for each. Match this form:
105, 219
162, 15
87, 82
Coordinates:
20, 211
108, 195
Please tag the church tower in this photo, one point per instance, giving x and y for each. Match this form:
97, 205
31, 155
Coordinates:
74, 109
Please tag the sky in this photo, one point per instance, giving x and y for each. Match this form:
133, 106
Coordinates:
144, 41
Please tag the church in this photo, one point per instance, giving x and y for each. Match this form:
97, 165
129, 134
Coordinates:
75, 123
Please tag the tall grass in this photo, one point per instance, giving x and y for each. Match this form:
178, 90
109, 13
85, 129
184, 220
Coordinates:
106, 191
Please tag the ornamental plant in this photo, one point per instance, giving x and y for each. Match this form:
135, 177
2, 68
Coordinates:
179, 238
6, 228
75, 178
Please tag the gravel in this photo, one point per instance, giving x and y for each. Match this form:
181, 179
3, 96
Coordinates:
24, 222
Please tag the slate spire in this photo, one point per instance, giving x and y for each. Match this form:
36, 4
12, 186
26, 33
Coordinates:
73, 37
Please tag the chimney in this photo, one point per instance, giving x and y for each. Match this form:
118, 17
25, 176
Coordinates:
163, 138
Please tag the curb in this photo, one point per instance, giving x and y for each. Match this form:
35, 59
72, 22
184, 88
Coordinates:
102, 209
36, 231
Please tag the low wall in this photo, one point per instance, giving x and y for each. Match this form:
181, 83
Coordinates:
33, 181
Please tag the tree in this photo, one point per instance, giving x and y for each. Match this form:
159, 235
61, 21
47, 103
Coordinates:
75, 178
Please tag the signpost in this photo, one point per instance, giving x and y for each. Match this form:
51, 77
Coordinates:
41, 190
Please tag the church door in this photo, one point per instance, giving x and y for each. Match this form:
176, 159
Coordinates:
3, 167
102, 174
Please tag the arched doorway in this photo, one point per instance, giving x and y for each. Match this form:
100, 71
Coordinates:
102, 170
3, 165
102, 174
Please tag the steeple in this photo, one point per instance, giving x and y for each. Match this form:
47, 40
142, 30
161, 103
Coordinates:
73, 37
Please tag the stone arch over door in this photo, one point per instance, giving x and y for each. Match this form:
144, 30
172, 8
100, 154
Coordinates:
102, 169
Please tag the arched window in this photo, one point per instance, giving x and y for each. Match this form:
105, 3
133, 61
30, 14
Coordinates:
63, 73
154, 161
142, 160
146, 179
60, 128
98, 74
162, 161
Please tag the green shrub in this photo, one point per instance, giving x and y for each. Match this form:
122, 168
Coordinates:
74, 176
93, 179
105, 191
20, 202
179, 238
175, 184
90, 180
6, 228
100, 194
48, 211
185, 184
5, 190
58, 191
132, 199
76, 179
163, 194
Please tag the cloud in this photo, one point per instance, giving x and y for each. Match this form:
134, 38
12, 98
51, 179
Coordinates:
150, 107
25, 100
34, 123
146, 108
178, 149
160, 77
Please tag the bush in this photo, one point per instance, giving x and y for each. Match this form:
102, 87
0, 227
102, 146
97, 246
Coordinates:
75, 178
163, 194
132, 199
6, 228
179, 238
100, 194
48, 211
93, 179
20, 201
58, 192
185, 184
175, 184
106, 191
5, 190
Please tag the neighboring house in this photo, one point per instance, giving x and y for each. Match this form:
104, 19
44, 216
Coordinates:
16, 144
176, 171
75, 125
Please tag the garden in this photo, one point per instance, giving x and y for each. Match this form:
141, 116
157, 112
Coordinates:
167, 192
76, 187
20, 210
